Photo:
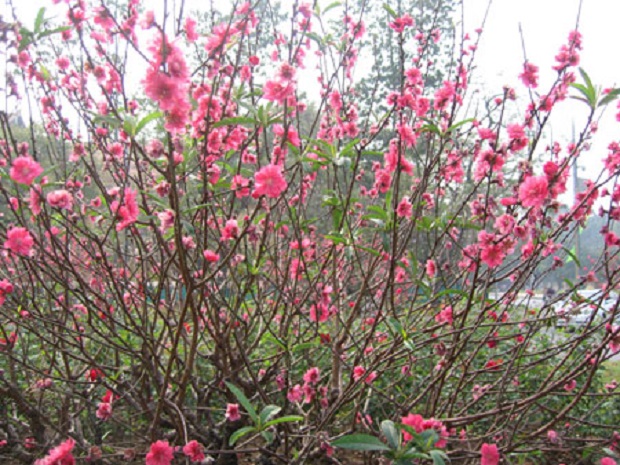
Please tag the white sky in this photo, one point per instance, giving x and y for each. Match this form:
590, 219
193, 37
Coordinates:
545, 25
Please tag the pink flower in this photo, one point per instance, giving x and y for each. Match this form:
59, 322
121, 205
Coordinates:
60, 199
24, 170
572, 384
232, 412
195, 451
518, 139
269, 181
230, 231
490, 454
295, 394
60, 455
534, 191
104, 411
167, 219
431, 268
399, 24
190, 29
161, 453
529, 76
312, 376
19, 241
419, 424
34, 200
276, 91
126, 210
5, 288
210, 256
445, 316
405, 208
552, 436
608, 461
614, 343
358, 372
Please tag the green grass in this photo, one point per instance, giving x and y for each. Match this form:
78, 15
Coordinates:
612, 371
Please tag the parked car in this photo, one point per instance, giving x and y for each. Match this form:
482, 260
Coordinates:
579, 308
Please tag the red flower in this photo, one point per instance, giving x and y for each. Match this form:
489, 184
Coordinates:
127, 211
60, 455
161, 453
312, 376
529, 76
195, 451
490, 454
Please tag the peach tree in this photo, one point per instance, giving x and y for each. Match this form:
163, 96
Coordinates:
204, 256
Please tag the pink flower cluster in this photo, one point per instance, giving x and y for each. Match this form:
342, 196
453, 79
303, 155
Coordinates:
419, 424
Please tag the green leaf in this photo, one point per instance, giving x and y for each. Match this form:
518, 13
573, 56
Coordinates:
395, 325
38, 22
360, 442
414, 454
306, 345
26, 39
243, 400
588, 93
379, 212
572, 256
268, 435
427, 438
237, 120
460, 123
391, 12
240, 433
49, 32
335, 239
268, 412
129, 126
430, 128
587, 79
285, 419
439, 457
146, 120
331, 6
610, 97
390, 432
374, 252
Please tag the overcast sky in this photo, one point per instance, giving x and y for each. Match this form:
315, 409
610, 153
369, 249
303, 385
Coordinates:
545, 25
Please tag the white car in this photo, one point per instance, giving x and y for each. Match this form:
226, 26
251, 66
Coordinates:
578, 309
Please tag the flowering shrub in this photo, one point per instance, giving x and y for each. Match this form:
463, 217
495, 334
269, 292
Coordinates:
215, 263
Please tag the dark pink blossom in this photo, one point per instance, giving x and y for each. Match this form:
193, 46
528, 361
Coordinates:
60, 455
195, 451
160, 453
232, 412
529, 76
489, 454
126, 209
312, 376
